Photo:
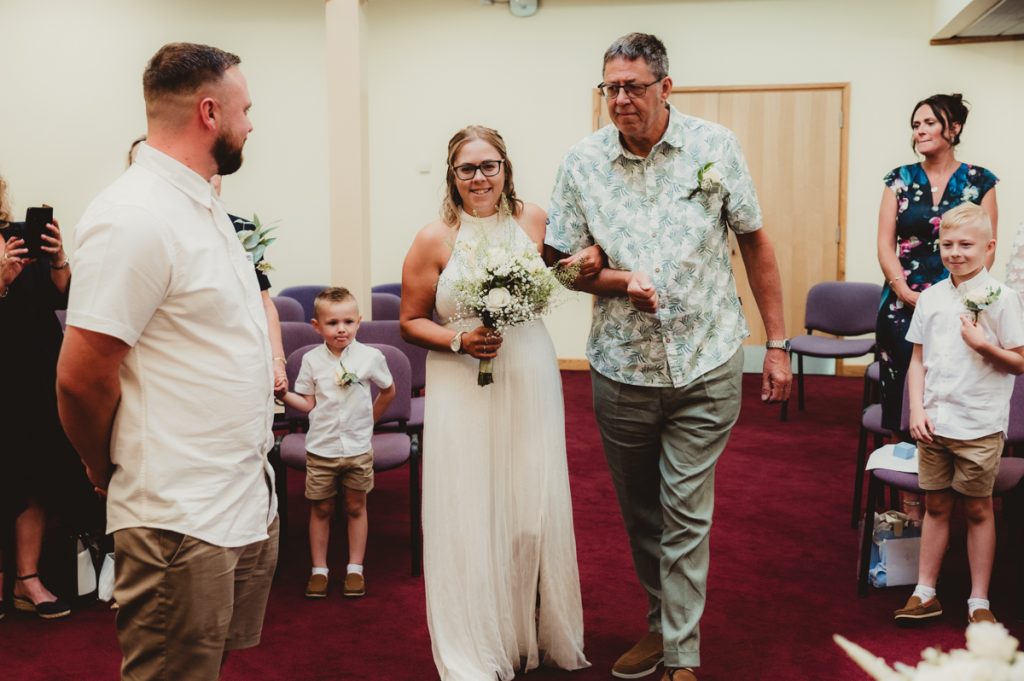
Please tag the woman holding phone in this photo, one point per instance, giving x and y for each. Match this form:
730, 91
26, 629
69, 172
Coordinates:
37, 465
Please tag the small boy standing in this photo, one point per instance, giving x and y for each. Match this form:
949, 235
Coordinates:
334, 387
968, 336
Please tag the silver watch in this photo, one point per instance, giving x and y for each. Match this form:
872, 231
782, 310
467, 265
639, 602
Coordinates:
778, 344
456, 342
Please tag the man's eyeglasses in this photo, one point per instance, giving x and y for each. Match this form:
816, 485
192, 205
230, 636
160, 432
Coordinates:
632, 90
467, 171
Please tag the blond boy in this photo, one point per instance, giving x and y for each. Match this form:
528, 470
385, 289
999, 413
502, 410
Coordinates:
334, 387
968, 336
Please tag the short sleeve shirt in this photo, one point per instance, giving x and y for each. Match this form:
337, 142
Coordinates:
649, 215
157, 265
341, 423
965, 396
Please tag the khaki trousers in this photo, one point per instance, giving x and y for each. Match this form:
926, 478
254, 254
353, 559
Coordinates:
183, 602
661, 445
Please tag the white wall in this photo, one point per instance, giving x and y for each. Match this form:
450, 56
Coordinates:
71, 74
435, 66
73, 103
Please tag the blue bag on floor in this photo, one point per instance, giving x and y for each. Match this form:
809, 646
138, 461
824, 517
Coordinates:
895, 547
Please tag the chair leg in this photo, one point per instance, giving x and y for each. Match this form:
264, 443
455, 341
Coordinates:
800, 380
864, 564
415, 506
858, 481
784, 412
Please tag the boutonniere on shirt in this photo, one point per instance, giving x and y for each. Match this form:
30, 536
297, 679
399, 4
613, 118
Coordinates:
979, 298
343, 377
709, 184
256, 240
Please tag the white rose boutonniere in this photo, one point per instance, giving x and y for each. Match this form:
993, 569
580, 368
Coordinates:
343, 377
979, 298
709, 185
255, 241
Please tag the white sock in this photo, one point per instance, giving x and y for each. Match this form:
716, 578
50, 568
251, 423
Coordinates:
320, 571
352, 567
925, 593
977, 604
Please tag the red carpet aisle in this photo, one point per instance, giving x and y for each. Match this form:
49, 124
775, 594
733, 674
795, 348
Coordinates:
782, 578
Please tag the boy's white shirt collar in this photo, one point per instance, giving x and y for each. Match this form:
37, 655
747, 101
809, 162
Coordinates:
980, 279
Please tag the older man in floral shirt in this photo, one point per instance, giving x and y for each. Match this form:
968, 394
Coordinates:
658, 192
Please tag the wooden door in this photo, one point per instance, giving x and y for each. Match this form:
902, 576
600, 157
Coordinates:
794, 140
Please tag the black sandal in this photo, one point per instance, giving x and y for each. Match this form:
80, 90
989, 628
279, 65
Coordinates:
48, 610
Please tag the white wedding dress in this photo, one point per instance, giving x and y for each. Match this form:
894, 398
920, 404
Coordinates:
502, 584
1015, 265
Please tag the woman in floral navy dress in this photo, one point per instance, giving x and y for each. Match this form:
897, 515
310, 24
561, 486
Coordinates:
913, 202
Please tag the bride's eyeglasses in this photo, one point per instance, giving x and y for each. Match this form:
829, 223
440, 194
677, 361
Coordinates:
467, 171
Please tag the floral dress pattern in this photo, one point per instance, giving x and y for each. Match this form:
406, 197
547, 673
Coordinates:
917, 244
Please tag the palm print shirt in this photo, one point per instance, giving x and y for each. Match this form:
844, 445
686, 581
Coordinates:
646, 216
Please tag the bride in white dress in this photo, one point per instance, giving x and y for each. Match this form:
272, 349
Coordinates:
499, 555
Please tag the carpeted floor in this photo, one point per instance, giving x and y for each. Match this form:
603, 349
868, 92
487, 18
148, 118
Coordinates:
782, 573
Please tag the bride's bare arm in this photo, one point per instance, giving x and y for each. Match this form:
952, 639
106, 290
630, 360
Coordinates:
424, 262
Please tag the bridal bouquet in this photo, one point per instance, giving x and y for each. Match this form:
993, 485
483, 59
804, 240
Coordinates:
505, 285
978, 299
991, 655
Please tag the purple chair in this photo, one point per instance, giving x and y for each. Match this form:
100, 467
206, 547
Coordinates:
391, 449
305, 295
393, 288
294, 335
289, 309
387, 332
385, 306
840, 308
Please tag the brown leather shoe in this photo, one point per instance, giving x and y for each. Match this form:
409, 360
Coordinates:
915, 610
679, 674
355, 585
640, 660
316, 587
981, 615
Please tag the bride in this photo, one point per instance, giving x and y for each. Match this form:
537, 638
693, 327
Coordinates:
502, 585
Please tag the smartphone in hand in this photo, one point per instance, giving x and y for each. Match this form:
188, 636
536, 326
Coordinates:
36, 219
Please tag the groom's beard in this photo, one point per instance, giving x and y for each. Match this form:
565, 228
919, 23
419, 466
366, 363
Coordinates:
228, 158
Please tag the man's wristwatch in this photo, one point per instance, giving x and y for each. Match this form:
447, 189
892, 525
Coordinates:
456, 342
778, 345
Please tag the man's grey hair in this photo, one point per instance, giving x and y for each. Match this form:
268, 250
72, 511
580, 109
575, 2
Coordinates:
640, 46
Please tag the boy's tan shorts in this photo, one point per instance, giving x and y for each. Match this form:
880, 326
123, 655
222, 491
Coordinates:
968, 466
324, 473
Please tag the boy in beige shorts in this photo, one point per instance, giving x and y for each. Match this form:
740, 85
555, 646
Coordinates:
334, 387
968, 336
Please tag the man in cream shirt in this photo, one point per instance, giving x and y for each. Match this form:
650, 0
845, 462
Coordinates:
165, 380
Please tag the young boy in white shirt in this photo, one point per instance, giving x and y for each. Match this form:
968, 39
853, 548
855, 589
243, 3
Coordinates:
334, 387
968, 335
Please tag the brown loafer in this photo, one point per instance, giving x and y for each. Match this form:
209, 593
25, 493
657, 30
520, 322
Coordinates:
915, 610
981, 615
316, 587
640, 660
679, 674
355, 585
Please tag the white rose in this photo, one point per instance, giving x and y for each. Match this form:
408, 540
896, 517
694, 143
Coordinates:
711, 180
497, 299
